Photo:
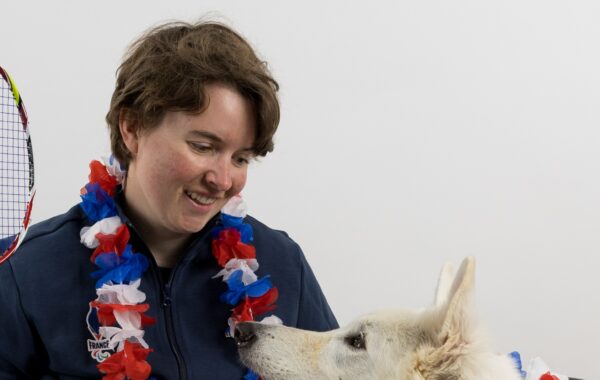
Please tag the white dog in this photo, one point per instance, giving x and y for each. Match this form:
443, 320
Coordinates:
440, 343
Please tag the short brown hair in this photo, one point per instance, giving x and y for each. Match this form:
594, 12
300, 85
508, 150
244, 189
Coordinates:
168, 67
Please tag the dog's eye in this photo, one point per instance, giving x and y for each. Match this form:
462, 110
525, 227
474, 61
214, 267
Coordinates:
357, 341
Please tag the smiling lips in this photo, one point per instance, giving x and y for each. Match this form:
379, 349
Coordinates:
200, 199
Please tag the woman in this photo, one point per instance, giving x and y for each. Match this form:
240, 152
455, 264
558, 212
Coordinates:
124, 284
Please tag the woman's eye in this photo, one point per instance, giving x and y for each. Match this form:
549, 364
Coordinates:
201, 147
242, 161
356, 341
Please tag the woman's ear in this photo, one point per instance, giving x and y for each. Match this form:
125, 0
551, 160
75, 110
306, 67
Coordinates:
129, 127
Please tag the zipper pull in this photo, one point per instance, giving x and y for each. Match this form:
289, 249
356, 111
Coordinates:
166, 297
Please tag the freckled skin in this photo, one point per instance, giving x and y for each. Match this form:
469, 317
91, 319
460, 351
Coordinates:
167, 162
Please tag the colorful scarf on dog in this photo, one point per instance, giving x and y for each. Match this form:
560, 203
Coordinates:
118, 311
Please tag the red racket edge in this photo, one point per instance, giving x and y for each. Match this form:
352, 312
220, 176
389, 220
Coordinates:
21, 235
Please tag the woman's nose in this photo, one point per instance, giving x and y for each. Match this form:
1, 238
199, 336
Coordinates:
219, 175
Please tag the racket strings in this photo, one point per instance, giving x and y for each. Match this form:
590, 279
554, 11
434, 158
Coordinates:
15, 165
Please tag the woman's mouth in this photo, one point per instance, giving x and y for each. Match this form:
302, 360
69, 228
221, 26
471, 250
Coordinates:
200, 199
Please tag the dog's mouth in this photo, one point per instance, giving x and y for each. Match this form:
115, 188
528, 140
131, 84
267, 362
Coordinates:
246, 338
264, 353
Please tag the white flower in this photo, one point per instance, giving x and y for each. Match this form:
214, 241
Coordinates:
130, 323
106, 226
272, 320
248, 267
235, 207
114, 168
124, 294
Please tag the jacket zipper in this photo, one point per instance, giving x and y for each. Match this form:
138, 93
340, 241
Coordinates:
168, 315
165, 302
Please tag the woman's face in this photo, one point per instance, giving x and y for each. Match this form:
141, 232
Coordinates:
186, 169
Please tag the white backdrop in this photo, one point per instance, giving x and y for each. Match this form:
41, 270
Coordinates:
413, 133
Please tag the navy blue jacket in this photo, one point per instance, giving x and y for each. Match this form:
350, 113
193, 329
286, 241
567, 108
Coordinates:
45, 290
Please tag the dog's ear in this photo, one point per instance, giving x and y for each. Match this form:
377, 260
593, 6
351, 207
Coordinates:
449, 323
444, 284
456, 313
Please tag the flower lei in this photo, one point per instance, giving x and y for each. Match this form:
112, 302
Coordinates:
119, 307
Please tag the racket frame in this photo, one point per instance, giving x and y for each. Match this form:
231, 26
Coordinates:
18, 239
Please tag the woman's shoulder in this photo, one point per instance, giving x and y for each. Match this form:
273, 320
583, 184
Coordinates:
47, 241
262, 228
73, 218
271, 236
275, 246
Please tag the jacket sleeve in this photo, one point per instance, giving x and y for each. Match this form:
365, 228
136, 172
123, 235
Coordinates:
17, 343
314, 312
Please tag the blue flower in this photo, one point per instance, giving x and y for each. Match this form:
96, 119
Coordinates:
97, 204
516, 357
129, 267
237, 289
229, 221
251, 375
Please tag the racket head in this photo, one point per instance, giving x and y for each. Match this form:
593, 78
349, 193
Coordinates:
17, 185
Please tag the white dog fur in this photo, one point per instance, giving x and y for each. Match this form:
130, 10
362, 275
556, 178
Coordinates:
440, 343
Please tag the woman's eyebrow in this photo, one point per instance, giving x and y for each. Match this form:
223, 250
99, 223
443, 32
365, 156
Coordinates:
206, 134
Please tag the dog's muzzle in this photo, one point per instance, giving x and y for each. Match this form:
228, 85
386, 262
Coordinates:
245, 333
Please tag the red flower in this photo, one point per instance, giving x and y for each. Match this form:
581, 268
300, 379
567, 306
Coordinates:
99, 175
548, 376
127, 364
111, 243
106, 315
228, 245
251, 307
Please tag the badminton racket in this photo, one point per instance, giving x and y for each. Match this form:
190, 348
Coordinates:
17, 188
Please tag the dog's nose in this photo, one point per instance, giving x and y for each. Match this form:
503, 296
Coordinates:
245, 333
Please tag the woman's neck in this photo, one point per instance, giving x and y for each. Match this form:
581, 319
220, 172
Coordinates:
166, 252
165, 246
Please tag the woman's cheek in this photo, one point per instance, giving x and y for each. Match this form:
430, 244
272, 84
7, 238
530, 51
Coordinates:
239, 182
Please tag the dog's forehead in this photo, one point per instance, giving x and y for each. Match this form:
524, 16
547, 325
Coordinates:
390, 319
